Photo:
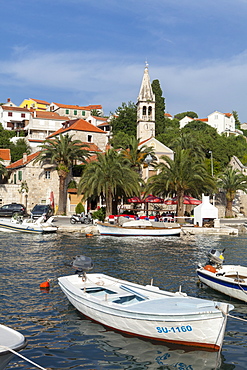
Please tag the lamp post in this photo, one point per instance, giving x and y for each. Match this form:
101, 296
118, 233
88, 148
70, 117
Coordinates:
212, 172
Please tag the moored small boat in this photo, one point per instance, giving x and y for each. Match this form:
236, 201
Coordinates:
227, 279
29, 226
140, 228
10, 339
145, 311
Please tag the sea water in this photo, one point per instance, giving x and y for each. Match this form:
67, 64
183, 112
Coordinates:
60, 338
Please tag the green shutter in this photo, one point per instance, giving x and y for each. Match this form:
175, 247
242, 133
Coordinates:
83, 113
19, 175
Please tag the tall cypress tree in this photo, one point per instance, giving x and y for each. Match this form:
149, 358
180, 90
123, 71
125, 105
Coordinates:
159, 108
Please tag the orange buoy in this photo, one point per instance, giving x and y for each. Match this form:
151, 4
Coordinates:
210, 268
89, 235
45, 285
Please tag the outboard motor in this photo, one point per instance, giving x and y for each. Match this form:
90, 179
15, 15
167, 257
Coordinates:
215, 257
82, 264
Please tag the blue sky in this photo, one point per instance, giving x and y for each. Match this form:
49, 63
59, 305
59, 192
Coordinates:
94, 51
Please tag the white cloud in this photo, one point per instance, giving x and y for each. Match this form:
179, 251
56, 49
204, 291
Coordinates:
111, 80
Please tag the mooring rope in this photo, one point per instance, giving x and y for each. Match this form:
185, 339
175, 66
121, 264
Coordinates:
23, 357
237, 318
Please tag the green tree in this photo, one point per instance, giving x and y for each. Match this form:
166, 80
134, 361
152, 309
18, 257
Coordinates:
108, 175
191, 114
63, 152
137, 154
237, 121
160, 121
185, 175
120, 140
18, 149
96, 113
230, 181
125, 119
5, 136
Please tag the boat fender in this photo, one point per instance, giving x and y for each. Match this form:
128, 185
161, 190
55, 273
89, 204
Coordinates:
210, 268
45, 285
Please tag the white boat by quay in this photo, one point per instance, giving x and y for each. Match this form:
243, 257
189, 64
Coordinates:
145, 311
140, 228
227, 279
19, 224
10, 339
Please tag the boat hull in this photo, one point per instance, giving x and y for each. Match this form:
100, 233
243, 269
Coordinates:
225, 280
200, 327
12, 339
115, 230
30, 228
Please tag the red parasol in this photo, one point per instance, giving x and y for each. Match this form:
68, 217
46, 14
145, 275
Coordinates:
135, 200
153, 199
187, 200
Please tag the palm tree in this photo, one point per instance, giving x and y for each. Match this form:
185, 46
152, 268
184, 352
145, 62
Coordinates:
63, 152
137, 154
184, 175
109, 174
230, 181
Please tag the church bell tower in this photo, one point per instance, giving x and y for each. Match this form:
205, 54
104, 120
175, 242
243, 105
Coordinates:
145, 109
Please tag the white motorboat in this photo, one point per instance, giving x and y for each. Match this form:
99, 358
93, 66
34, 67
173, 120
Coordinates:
145, 311
19, 224
227, 279
10, 339
139, 228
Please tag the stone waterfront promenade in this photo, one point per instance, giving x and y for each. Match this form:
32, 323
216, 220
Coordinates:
224, 227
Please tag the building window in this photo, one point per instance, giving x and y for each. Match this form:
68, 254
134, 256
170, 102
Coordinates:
47, 175
83, 113
10, 114
89, 138
22, 115
67, 111
20, 175
144, 111
75, 112
15, 178
149, 111
216, 116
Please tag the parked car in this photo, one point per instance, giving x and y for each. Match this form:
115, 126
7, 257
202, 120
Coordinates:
41, 210
13, 209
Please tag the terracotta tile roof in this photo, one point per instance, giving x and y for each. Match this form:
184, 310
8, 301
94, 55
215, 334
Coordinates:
100, 118
78, 125
48, 115
228, 114
6, 107
144, 141
104, 124
89, 107
5, 154
21, 163
40, 101
201, 119
167, 115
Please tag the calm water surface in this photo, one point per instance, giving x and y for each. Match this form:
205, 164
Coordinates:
60, 338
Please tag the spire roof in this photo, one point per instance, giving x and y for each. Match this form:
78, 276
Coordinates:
146, 92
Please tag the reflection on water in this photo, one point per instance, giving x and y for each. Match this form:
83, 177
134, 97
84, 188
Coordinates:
59, 338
